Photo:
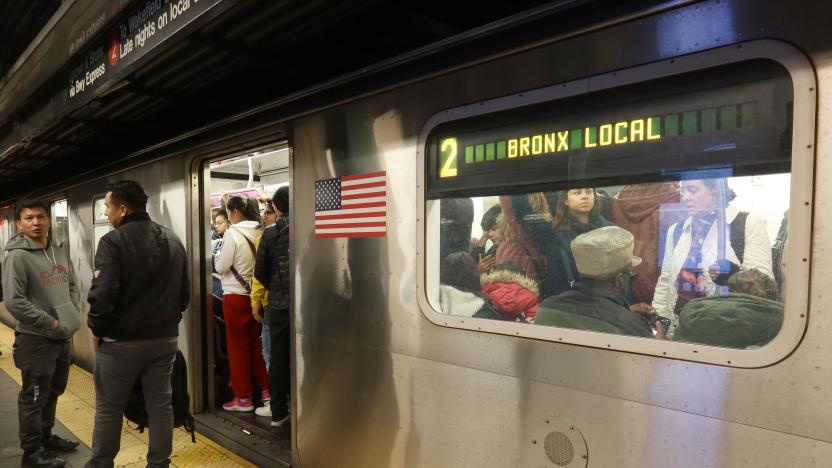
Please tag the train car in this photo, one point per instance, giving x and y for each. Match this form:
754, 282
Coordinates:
393, 361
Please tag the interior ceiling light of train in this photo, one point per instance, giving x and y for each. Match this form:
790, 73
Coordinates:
256, 53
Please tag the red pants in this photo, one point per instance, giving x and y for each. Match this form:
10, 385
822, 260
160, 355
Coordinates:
245, 352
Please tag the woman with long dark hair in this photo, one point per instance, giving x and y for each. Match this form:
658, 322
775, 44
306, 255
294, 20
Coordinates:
235, 262
575, 212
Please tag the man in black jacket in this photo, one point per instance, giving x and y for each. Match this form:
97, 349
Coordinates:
272, 268
139, 291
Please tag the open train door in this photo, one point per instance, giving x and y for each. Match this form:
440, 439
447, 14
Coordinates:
254, 176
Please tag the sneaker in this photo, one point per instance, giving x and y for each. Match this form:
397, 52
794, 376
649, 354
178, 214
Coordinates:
266, 396
59, 444
239, 404
43, 457
280, 422
265, 410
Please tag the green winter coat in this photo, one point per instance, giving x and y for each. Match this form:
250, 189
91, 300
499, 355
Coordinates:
733, 321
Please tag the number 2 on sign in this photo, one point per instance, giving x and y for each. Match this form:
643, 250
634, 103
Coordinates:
447, 154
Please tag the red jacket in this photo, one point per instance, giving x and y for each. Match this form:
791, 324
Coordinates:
512, 294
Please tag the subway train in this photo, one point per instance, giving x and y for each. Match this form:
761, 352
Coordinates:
391, 368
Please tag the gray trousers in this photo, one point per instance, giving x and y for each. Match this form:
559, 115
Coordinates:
44, 366
118, 365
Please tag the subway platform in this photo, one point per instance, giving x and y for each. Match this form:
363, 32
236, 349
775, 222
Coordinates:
75, 416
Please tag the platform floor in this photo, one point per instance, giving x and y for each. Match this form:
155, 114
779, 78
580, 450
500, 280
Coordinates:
75, 414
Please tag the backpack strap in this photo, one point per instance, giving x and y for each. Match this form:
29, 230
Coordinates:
245, 284
738, 234
677, 232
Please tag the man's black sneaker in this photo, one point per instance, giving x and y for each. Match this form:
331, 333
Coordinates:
59, 444
42, 457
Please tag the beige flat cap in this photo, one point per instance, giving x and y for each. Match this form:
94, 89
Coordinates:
602, 252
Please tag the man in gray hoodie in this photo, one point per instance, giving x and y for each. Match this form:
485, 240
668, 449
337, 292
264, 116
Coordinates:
41, 292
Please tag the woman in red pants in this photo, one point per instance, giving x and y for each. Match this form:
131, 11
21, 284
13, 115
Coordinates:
235, 262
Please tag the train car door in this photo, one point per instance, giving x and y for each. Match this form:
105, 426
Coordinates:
234, 344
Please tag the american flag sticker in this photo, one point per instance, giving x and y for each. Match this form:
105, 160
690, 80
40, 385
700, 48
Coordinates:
351, 206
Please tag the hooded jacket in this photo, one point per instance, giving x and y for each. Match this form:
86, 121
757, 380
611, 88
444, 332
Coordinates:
735, 320
512, 294
140, 285
639, 209
39, 287
236, 252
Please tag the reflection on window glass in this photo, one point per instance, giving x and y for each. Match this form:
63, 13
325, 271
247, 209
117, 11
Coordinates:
60, 222
701, 260
100, 213
101, 224
657, 211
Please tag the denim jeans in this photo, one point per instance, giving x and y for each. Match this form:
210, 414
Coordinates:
266, 338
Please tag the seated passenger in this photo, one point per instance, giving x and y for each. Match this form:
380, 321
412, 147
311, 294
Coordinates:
693, 265
597, 302
749, 316
575, 213
459, 288
485, 257
514, 295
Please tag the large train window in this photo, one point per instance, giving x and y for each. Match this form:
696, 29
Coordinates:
657, 215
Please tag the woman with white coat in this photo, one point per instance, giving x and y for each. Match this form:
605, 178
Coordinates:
235, 262
698, 258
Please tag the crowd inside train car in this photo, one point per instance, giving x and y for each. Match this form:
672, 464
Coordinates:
666, 260
251, 283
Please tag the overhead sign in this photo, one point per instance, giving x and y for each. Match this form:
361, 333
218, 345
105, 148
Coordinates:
148, 25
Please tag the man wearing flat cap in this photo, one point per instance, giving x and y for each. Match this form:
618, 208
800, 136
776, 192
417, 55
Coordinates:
597, 302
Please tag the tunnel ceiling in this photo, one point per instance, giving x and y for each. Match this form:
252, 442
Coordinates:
250, 53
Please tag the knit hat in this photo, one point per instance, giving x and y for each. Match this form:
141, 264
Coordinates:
602, 252
281, 199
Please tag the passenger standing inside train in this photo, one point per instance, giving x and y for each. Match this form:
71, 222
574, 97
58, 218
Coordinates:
695, 261
140, 288
235, 263
273, 268
41, 293
480, 251
575, 213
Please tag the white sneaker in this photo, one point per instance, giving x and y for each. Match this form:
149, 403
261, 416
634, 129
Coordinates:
265, 410
280, 422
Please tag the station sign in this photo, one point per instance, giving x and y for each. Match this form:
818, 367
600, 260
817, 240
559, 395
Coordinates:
151, 23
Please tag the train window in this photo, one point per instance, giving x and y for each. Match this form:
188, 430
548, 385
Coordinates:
60, 221
101, 225
656, 211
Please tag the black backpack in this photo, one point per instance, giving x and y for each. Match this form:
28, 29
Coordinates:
136, 413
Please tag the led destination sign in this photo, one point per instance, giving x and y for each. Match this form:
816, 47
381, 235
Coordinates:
736, 117
501, 147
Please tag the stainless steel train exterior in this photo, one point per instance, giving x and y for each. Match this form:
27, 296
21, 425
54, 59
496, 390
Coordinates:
376, 383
